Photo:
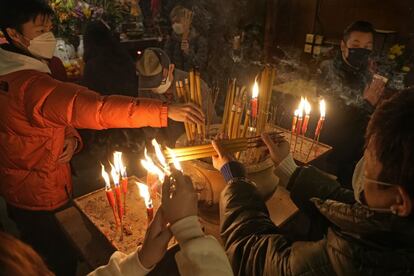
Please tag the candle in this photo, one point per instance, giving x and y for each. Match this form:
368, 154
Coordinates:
121, 170
322, 108
299, 123
144, 193
253, 102
307, 108
109, 193
294, 122
115, 178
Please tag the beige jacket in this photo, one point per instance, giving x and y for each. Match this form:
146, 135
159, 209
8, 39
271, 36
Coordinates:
199, 255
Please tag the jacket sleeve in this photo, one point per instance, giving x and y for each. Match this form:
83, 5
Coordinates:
256, 246
121, 264
50, 103
200, 254
309, 182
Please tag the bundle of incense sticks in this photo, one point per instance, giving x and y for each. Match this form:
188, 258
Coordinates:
234, 110
207, 150
265, 87
190, 91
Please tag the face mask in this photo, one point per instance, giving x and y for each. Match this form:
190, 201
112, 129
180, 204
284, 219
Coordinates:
43, 46
358, 180
163, 87
358, 57
178, 28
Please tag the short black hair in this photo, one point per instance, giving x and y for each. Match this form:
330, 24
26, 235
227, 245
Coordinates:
392, 130
358, 26
14, 13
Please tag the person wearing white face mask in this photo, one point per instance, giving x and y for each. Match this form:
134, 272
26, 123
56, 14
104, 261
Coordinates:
157, 79
38, 118
366, 232
186, 47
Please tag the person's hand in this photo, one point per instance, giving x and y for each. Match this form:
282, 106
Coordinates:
374, 91
179, 199
155, 242
222, 156
278, 148
69, 147
185, 46
187, 112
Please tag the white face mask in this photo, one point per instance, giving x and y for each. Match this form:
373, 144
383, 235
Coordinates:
178, 28
43, 46
163, 87
358, 180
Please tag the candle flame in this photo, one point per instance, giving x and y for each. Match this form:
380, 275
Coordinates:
159, 154
145, 194
119, 166
307, 107
105, 176
301, 107
115, 175
255, 92
322, 107
149, 165
176, 163
296, 113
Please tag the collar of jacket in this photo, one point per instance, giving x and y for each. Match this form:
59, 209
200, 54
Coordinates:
11, 62
358, 221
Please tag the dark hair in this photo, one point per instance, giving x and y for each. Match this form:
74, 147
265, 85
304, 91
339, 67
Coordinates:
358, 26
17, 258
392, 131
14, 13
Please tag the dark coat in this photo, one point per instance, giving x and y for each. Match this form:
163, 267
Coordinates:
354, 240
198, 54
347, 116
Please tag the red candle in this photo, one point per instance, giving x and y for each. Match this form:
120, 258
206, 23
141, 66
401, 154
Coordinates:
144, 193
115, 178
322, 107
253, 101
109, 192
307, 108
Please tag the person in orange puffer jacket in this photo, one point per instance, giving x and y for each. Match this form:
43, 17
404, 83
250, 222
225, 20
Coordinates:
38, 117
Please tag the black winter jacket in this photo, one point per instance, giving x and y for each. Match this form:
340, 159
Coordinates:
354, 241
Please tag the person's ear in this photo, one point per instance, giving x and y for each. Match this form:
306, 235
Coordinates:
403, 204
16, 36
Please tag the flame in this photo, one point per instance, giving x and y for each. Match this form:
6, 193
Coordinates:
296, 113
307, 107
255, 92
115, 175
105, 176
119, 166
322, 108
144, 193
159, 154
149, 165
301, 107
176, 163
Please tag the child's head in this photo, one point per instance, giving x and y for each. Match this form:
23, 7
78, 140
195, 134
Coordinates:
27, 24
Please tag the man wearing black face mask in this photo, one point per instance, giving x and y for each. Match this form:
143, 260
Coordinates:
348, 84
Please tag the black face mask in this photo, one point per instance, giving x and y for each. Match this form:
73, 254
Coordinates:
358, 57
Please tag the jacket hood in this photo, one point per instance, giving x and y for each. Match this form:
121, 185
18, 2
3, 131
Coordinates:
357, 220
11, 62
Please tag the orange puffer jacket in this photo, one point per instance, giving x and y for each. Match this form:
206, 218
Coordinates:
37, 112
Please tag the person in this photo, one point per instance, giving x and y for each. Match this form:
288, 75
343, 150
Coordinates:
351, 92
37, 128
186, 46
19, 259
198, 255
110, 70
157, 78
370, 232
